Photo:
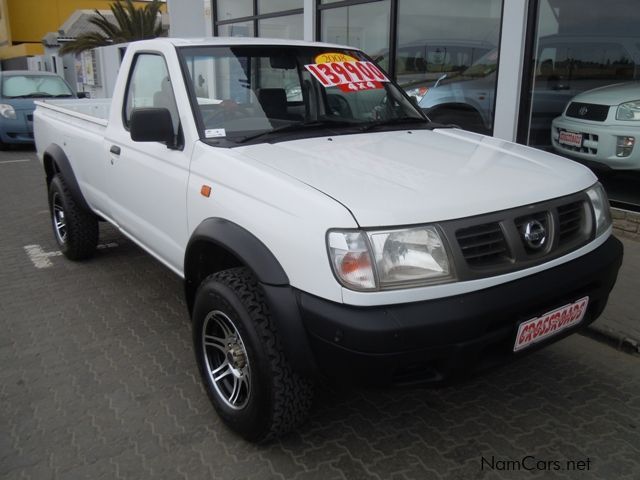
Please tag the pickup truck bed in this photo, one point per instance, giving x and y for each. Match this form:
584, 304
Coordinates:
92, 111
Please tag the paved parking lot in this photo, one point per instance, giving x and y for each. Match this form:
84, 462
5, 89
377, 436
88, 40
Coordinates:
98, 380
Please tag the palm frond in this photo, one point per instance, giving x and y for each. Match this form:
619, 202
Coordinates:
83, 42
128, 24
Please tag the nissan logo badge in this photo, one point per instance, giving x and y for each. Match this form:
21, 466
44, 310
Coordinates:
534, 234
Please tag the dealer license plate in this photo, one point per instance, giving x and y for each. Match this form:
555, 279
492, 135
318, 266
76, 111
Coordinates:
551, 323
570, 138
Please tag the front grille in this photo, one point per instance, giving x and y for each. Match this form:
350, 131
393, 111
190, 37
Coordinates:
495, 243
570, 221
588, 111
483, 244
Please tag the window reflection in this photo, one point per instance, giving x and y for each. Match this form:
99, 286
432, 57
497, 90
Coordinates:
240, 29
447, 58
290, 26
364, 26
585, 102
228, 9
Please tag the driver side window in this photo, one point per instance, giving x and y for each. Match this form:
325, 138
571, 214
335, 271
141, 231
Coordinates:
150, 87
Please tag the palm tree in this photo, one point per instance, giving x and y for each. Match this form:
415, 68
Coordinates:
131, 24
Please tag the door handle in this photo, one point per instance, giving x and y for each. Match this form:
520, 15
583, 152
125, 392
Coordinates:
115, 150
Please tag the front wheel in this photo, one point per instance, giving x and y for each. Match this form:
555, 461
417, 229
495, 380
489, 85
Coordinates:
246, 374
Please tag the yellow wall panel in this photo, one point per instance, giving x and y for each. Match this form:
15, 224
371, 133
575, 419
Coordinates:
30, 20
22, 50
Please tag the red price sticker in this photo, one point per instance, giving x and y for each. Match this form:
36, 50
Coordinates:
346, 72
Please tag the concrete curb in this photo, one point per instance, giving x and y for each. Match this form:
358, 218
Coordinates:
611, 337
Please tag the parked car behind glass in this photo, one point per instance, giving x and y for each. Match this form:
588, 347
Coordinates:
465, 99
18, 90
566, 66
601, 127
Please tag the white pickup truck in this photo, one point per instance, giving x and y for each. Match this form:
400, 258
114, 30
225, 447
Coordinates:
324, 227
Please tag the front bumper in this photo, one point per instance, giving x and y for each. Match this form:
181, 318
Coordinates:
432, 341
17, 131
599, 143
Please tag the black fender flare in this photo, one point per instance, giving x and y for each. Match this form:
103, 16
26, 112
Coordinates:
241, 243
60, 163
280, 297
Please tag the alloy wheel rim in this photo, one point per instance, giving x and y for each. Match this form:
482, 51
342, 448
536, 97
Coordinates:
226, 360
59, 219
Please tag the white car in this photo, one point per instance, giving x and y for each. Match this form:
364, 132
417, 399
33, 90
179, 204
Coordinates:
601, 127
341, 236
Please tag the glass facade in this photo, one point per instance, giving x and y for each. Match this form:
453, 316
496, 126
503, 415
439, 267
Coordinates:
290, 26
239, 29
364, 26
270, 6
264, 18
446, 53
584, 96
230, 9
447, 56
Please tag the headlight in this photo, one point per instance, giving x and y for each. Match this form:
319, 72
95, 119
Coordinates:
600, 204
389, 259
7, 111
629, 111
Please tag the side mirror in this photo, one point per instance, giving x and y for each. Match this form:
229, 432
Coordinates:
152, 125
83, 95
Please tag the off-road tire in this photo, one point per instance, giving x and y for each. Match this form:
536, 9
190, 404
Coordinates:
279, 398
81, 237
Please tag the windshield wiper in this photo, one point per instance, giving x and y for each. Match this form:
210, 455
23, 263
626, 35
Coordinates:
393, 121
293, 127
33, 95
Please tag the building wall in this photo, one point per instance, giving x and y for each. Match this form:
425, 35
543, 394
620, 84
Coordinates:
25, 22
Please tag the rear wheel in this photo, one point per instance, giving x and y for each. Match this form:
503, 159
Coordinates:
246, 374
75, 229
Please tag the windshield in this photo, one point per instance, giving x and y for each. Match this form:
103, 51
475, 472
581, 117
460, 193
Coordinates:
244, 91
16, 86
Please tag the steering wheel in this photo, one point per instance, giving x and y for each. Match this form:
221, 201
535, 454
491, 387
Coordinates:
339, 106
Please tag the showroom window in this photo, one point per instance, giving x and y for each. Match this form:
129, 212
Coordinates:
443, 52
262, 18
361, 25
290, 26
578, 46
237, 29
447, 58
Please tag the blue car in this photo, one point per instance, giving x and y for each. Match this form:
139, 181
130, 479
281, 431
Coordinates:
18, 90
